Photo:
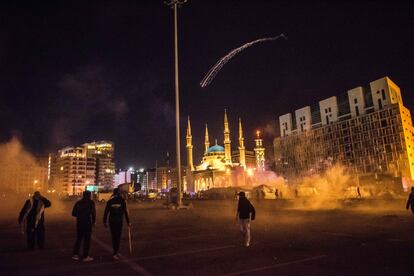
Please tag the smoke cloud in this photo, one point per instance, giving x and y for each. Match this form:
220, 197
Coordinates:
86, 96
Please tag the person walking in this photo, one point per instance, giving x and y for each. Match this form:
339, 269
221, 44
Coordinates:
359, 193
245, 213
85, 213
410, 201
116, 208
32, 214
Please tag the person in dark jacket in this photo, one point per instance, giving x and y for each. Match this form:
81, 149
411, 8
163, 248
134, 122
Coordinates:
410, 201
245, 213
85, 213
32, 214
116, 208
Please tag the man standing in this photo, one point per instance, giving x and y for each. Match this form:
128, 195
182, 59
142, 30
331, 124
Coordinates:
245, 213
410, 201
85, 213
117, 209
32, 214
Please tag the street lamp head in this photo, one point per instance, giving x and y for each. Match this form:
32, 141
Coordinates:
172, 3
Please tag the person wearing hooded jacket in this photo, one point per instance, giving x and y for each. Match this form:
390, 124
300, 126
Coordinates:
85, 213
32, 214
116, 208
245, 213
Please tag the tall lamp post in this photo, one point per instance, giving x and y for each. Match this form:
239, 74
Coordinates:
174, 4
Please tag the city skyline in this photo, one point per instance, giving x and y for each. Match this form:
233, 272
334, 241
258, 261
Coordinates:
104, 71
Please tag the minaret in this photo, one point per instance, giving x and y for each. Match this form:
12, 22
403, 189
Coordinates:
227, 142
206, 141
259, 152
189, 147
242, 150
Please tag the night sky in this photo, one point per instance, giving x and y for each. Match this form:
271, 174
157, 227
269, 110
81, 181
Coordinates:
78, 71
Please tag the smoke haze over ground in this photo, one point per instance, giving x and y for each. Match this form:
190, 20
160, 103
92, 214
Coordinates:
14, 162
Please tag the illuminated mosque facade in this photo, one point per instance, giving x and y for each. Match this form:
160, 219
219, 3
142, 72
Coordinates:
221, 167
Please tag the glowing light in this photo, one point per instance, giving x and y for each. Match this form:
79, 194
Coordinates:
250, 172
61, 168
131, 169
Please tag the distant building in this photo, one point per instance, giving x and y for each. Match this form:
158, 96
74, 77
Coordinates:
129, 176
123, 177
368, 130
74, 168
102, 155
25, 176
150, 180
220, 166
161, 178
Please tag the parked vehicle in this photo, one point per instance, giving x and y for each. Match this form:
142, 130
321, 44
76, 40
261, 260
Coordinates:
104, 197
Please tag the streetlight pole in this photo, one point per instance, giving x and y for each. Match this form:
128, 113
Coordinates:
174, 4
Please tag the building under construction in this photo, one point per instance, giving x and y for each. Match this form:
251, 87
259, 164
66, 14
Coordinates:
367, 130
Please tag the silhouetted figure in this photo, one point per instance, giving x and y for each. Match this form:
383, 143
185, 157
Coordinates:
85, 213
277, 194
116, 209
32, 214
296, 193
410, 201
359, 192
245, 213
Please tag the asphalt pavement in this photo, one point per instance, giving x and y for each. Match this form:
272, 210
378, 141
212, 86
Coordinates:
366, 238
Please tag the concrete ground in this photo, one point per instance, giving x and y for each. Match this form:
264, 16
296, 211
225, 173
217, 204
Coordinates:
359, 239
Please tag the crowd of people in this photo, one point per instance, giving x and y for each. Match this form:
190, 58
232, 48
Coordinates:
32, 220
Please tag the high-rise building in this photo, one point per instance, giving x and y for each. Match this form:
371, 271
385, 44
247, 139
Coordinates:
101, 154
74, 168
149, 181
68, 174
367, 130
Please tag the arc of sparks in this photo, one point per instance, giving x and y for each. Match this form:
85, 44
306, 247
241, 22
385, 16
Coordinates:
217, 67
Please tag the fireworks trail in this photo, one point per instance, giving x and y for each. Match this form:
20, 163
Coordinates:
217, 67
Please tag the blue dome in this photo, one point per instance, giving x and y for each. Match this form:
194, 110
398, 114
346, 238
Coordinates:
215, 148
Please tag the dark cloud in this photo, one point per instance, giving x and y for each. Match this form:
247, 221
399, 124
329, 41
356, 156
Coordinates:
84, 97
91, 70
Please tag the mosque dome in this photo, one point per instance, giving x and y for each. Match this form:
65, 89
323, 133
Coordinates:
215, 148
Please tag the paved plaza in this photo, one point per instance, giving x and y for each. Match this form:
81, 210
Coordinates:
371, 238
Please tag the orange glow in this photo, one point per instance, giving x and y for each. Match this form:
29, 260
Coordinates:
250, 172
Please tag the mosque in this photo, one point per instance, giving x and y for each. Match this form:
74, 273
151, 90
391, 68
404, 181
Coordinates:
220, 166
